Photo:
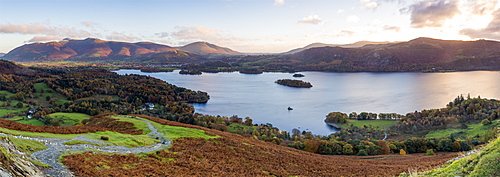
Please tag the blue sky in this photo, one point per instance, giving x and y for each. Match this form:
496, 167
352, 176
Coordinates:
247, 25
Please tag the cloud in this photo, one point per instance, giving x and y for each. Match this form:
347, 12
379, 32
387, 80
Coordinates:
121, 37
432, 13
340, 11
279, 2
492, 31
162, 34
345, 33
89, 24
187, 34
481, 7
312, 19
42, 29
368, 4
391, 28
352, 18
44, 38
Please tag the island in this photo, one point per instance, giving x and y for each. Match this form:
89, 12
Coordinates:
155, 70
191, 72
294, 83
298, 75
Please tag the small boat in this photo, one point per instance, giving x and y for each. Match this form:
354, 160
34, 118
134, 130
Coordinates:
289, 108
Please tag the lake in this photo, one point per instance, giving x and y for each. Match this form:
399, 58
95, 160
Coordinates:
258, 97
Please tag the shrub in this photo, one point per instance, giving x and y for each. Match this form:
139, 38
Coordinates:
430, 152
402, 152
486, 122
362, 153
105, 138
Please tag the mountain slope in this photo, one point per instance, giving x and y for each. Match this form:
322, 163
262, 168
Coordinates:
235, 155
353, 45
84, 49
420, 51
205, 48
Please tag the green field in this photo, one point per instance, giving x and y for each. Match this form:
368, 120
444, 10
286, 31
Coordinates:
69, 119
121, 139
47, 91
25, 120
473, 130
236, 128
483, 163
379, 124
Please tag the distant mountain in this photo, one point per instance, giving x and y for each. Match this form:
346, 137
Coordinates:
313, 45
2, 54
205, 48
463, 55
353, 45
91, 49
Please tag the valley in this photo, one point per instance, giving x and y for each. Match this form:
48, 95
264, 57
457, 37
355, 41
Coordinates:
116, 123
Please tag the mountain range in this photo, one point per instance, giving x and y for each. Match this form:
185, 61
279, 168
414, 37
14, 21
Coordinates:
96, 49
421, 53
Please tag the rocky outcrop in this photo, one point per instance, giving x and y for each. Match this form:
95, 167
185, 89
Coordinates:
14, 162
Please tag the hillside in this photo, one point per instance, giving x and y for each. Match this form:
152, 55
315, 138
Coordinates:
353, 45
8, 67
205, 48
234, 155
91, 49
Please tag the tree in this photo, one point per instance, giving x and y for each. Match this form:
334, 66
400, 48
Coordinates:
336, 117
19, 105
402, 152
347, 149
445, 145
362, 153
486, 122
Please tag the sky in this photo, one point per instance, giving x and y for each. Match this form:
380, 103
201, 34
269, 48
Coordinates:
251, 26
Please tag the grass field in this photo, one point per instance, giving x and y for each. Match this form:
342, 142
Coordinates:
69, 119
60, 99
381, 124
121, 139
473, 130
483, 163
235, 128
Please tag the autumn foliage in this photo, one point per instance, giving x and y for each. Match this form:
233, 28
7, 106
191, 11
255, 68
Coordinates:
235, 155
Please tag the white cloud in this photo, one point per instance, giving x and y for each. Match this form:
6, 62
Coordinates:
353, 18
186, 34
492, 31
312, 19
279, 2
340, 11
391, 28
44, 38
43, 29
368, 4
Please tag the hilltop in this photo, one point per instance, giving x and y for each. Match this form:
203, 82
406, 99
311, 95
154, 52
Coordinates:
205, 48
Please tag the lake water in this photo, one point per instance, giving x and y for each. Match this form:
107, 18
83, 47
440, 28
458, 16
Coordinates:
258, 97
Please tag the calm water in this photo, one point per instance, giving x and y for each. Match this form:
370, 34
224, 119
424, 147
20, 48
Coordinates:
258, 97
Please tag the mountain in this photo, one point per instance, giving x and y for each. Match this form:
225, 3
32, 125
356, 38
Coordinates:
353, 45
205, 48
420, 52
90, 49
313, 45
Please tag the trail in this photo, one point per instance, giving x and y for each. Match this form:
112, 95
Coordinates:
56, 148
